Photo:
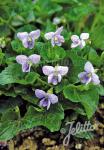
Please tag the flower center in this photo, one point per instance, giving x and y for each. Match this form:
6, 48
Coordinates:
29, 62
55, 39
89, 75
46, 97
30, 42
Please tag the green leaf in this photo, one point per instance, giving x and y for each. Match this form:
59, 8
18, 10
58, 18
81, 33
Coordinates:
7, 92
51, 54
11, 74
8, 130
14, 74
100, 89
97, 28
1, 56
94, 58
30, 78
4, 30
17, 46
9, 103
48, 7
10, 125
50, 119
76, 67
88, 98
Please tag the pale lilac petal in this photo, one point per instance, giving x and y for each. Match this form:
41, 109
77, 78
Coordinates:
26, 67
89, 67
56, 20
61, 39
47, 70
49, 35
43, 103
48, 105
59, 30
74, 38
82, 43
83, 76
34, 34
59, 78
26, 45
50, 77
62, 70
55, 80
53, 42
76, 41
22, 35
84, 36
40, 93
74, 45
53, 98
88, 81
21, 59
59, 44
95, 79
57, 40
34, 58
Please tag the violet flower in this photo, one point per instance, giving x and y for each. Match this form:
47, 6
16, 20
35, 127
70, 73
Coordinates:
55, 37
79, 41
46, 99
56, 20
55, 73
89, 74
27, 62
28, 39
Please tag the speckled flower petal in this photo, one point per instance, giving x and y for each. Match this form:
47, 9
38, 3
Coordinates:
62, 70
84, 36
95, 79
89, 67
34, 58
49, 35
56, 20
34, 34
59, 30
50, 77
48, 105
40, 93
82, 44
76, 41
26, 67
21, 59
55, 80
53, 98
59, 78
74, 38
47, 70
59, 41
52, 42
83, 76
23, 36
45, 103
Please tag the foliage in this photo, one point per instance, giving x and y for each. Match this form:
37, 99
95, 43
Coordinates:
19, 107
